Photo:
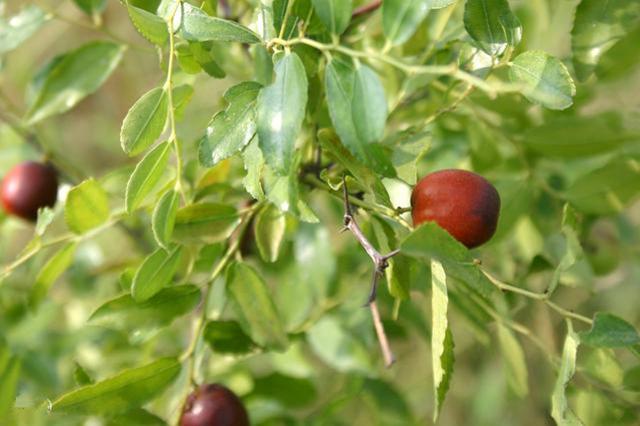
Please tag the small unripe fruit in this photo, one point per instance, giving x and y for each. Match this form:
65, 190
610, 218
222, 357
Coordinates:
28, 187
463, 203
213, 405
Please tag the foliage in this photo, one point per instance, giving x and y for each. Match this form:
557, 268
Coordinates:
204, 147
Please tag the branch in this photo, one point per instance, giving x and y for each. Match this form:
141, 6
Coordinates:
366, 9
381, 262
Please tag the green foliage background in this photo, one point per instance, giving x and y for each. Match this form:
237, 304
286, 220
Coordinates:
156, 269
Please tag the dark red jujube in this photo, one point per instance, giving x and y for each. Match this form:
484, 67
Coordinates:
213, 405
28, 187
462, 202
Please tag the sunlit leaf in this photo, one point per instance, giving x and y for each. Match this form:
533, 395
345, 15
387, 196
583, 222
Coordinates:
198, 26
149, 25
205, 222
155, 272
492, 24
164, 218
87, 207
401, 18
50, 272
334, 14
269, 228
145, 121
19, 27
442, 357
560, 410
146, 175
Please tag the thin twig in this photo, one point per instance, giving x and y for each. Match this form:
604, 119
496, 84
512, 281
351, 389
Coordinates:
366, 9
381, 262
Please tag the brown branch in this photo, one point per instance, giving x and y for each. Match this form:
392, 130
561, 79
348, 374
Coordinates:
381, 262
367, 8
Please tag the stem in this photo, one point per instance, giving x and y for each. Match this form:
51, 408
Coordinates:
450, 69
366, 9
543, 297
168, 86
381, 262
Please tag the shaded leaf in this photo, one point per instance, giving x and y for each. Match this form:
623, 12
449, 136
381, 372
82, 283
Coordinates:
9, 377
227, 337
50, 272
254, 307
516, 364
124, 312
609, 331
124, 391
401, 18
73, 76
334, 14
348, 105
608, 189
597, 27
19, 27
91, 7
492, 24
205, 222
333, 344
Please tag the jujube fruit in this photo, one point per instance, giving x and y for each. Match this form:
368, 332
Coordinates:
463, 203
28, 187
213, 405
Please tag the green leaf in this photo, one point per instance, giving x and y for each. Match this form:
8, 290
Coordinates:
164, 218
73, 76
254, 307
136, 417
609, 331
334, 14
50, 272
231, 130
332, 342
369, 180
492, 24
149, 25
442, 357
198, 26
227, 337
544, 79
19, 27
429, 241
128, 389
9, 377
269, 228
560, 410
281, 110
401, 18
576, 136
91, 7
516, 364
81, 376
253, 164
124, 312
597, 27
155, 273
608, 189
352, 111
146, 176
205, 222
145, 121
87, 207
622, 59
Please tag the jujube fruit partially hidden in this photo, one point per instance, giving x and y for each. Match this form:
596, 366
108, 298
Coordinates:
213, 405
28, 187
463, 203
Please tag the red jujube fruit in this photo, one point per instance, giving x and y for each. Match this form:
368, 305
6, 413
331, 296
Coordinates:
463, 203
213, 405
28, 187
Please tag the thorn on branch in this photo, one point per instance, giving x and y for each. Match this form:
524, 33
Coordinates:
381, 263
366, 9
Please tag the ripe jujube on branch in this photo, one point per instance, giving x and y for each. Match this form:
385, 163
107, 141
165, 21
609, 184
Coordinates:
463, 203
28, 187
213, 405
